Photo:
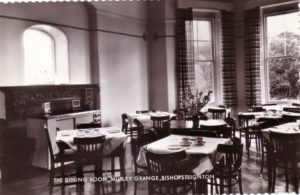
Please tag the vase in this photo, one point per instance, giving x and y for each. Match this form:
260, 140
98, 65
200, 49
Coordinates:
196, 122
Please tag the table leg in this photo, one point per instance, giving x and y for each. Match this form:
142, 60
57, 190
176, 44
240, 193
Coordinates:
269, 167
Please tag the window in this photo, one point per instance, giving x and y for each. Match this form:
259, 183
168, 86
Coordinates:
39, 57
46, 55
202, 44
282, 56
203, 55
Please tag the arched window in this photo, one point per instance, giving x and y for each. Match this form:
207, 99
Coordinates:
46, 55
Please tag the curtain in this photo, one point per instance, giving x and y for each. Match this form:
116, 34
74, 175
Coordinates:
252, 58
184, 52
228, 59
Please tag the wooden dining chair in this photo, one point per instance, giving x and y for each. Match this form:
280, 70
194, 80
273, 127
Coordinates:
221, 130
136, 145
161, 125
61, 157
285, 153
165, 164
90, 152
228, 170
249, 131
217, 113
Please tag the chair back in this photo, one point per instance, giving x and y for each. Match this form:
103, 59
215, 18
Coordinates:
52, 145
245, 121
163, 164
124, 123
257, 109
231, 123
138, 130
285, 146
232, 156
137, 144
221, 130
296, 104
181, 114
161, 125
217, 113
203, 133
90, 149
291, 109
88, 125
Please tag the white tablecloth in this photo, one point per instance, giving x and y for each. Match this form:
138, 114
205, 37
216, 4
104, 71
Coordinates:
289, 128
113, 137
212, 122
208, 149
145, 119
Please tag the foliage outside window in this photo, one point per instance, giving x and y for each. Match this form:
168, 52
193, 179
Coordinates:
202, 46
283, 56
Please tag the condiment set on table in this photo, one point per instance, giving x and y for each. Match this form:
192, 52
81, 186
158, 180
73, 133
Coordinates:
197, 141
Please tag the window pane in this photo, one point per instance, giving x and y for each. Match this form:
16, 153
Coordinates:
283, 34
292, 44
204, 76
203, 51
283, 56
276, 46
284, 78
202, 30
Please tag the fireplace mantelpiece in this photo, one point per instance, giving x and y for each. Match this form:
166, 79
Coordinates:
26, 101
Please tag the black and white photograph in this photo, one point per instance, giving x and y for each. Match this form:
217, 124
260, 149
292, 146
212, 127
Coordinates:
157, 97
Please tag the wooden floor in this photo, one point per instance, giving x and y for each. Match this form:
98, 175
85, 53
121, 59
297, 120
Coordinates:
35, 182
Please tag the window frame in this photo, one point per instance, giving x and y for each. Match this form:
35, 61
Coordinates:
61, 53
215, 17
266, 12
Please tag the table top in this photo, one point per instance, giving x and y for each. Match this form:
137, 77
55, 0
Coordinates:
269, 115
183, 124
286, 128
113, 137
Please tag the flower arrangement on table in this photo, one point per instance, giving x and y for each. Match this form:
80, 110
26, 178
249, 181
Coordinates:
193, 103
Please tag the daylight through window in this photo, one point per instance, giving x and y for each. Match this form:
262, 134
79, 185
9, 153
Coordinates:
39, 57
282, 56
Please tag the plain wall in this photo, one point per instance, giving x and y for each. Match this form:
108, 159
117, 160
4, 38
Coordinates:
123, 59
71, 18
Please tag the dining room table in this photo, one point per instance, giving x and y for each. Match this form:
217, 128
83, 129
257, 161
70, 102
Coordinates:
203, 155
286, 128
272, 115
114, 137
